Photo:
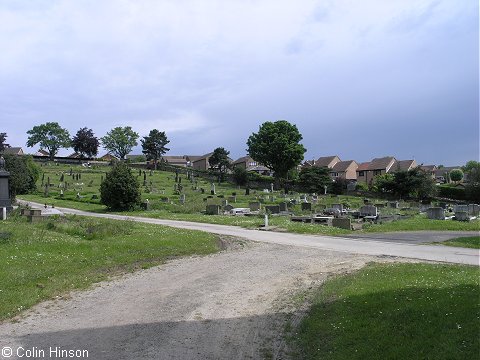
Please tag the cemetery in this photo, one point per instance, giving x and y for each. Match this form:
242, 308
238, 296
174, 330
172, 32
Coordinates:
184, 196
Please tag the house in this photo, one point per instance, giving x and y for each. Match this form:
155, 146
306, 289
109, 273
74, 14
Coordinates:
41, 152
344, 169
176, 160
247, 163
74, 155
327, 161
429, 169
201, 163
136, 158
443, 174
13, 151
405, 165
378, 166
108, 157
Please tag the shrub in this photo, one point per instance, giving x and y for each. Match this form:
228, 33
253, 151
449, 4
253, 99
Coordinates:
240, 176
120, 190
451, 192
24, 173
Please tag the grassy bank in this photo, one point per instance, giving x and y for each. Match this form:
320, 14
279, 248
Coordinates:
395, 311
469, 242
40, 261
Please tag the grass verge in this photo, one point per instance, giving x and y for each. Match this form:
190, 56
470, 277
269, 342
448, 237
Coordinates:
395, 311
468, 242
43, 260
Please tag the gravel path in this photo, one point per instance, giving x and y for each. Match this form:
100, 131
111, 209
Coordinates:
230, 305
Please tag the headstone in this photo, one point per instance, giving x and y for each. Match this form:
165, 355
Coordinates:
473, 209
462, 216
368, 210
283, 206
165, 200
458, 208
338, 207
394, 204
146, 205
272, 209
306, 206
247, 191
182, 199
271, 187
228, 208
212, 189
254, 206
232, 199
212, 209
351, 186
342, 223
436, 213
224, 202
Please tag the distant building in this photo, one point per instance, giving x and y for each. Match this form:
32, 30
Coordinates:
13, 151
42, 152
108, 157
345, 170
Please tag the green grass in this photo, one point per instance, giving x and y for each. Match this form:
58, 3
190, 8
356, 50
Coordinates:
468, 242
161, 185
395, 311
43, 260
420, 222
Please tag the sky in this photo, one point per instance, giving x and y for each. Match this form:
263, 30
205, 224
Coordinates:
360, 79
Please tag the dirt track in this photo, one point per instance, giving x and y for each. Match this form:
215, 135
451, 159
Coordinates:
231, 305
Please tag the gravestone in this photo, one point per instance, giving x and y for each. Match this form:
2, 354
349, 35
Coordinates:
473, 209
146, 205
351, 186
224, 202
462, 216
271, 187
338, 207
283, 206
182, 199
212, 209
5, 200
254, 206
342, 223
247, 191
165, 199
232, 199
212, 189
460, 208
273, 209
436, 213
368, 210
306, 206
394, 204
228, 208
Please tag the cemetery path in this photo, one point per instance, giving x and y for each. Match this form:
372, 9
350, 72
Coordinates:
377, 245
235, 304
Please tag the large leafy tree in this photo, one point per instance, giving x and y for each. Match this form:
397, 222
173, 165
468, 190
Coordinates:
154, 145
50, 136
219, 161
85, 143
314, 179
120, 141
277, 146
3, 139
414, 183
456, 175
472, 187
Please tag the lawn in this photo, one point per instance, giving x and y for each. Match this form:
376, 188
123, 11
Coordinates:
43, 260
468, 242
165, 203
395, 311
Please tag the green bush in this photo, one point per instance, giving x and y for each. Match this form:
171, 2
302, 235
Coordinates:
451, 192
24, 173
120, 190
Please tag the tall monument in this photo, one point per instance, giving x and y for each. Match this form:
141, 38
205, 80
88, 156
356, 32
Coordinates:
5, 201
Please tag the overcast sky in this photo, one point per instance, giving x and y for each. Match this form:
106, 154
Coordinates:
360, 79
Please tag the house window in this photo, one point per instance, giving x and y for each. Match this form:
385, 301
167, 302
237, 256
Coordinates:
252, 164
361, 173
377, 172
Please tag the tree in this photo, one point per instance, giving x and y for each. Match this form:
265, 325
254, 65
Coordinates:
154, 145
120, 190
219, 161
277, 146
456, 175
470, 165
240, 176
314, 179
339, 186
414, 183
85, 143
3, 144
24, 174
472, 187
120, 141
50, 136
